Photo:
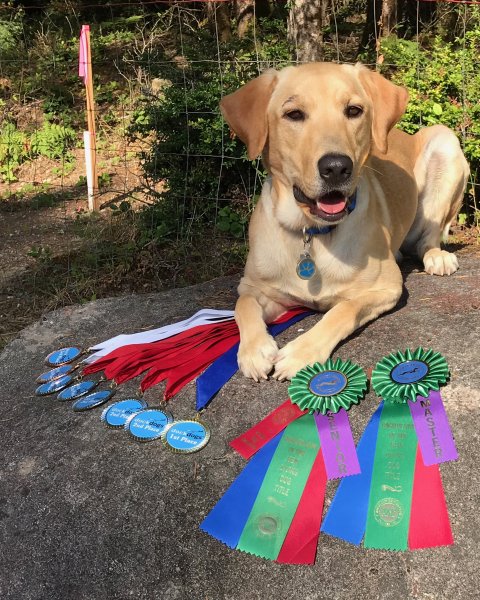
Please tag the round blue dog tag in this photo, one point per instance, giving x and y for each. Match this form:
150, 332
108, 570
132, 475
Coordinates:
409, 371
54, 386
63, 356
118, 413
328, 383
75, 391
186, 436
148, 424
54, 373
306, 267
92, 400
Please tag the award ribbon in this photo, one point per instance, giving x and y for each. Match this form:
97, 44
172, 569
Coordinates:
281, 490
328, 387
396, 501
388, 515
274, 507
433, 429
333, 384
180, 358
252, 440
347, 516
415, 376
337, 443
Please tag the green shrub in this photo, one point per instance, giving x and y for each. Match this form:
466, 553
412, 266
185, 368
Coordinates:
52, 140
11, 30
444, 84
12, 150
202, 167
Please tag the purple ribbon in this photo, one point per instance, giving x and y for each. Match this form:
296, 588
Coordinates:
433, 430
337, 444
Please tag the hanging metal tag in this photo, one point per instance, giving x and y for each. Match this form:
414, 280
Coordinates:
306, 266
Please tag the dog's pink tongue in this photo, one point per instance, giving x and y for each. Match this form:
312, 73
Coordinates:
333, 206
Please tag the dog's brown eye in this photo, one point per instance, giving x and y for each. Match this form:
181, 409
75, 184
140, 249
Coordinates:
295, 115
353, 111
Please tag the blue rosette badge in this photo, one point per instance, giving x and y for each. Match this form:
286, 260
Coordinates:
328, 387
403, 376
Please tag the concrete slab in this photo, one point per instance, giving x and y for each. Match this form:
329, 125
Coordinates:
86, 514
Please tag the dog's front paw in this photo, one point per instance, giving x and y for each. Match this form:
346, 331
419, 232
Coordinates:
440, 262
256, 358
295, 356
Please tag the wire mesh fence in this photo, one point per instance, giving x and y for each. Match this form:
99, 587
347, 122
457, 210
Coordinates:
175, 189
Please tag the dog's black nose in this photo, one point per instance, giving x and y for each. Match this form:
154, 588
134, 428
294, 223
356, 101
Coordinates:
335, 169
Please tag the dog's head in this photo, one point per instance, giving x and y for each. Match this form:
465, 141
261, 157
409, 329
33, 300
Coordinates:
315, 124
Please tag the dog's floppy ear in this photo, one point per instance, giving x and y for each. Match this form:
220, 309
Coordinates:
246, 111
389, 103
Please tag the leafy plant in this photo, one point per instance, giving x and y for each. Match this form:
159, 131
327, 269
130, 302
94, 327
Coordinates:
67, 166
41, 253
10, 34
444, 85
104, 180
12, 150
231, 222
52, 140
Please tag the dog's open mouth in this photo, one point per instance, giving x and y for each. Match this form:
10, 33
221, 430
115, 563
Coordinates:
329, 207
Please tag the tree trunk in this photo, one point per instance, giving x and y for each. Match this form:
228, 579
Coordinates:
389, 17
306, 21
447, 21
244, 13
218, 14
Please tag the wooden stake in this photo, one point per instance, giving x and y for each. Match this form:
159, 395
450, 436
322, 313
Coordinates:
91, 123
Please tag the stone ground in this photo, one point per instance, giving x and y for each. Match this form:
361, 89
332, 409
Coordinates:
87, 514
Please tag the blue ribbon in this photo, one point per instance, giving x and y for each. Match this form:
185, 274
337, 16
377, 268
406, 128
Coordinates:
347, 516
227, 519
224, 368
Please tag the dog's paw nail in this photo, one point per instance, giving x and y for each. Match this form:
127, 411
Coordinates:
440, 262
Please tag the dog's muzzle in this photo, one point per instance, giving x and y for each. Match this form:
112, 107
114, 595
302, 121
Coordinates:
330, 207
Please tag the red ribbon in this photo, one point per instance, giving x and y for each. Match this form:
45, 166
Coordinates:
257, 436
300, 544
429, 522
178, 359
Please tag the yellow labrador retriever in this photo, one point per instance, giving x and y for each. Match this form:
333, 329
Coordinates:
345, 193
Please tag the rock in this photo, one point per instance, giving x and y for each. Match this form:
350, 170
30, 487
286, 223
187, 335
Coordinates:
87, 514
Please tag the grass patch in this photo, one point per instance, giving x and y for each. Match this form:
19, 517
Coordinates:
118, 264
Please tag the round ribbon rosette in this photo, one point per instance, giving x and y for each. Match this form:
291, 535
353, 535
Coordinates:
402, 376
328, 387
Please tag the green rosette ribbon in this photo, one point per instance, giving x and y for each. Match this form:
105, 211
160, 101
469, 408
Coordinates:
403, 376
328, 387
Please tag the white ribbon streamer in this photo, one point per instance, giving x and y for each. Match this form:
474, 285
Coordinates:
206, 316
